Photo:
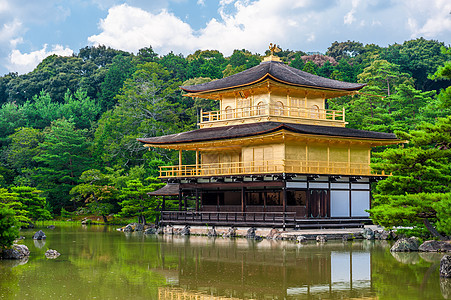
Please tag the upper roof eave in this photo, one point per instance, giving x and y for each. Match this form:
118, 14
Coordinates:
277, 71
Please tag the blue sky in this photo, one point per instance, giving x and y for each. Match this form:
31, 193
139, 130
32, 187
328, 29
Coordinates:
34, 29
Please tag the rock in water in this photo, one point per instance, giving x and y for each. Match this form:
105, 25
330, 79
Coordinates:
138, 226
52, 254
321, 238
212, 232
185, 230
39, 235
150, 230
273, 234
406, 245
368, 234
16, 252
51, 227
128, 228
435, 246
301, 239
386, 235
346, 237
445, 266
250, 233
231, 232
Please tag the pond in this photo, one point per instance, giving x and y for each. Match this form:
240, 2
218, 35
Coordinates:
97, 262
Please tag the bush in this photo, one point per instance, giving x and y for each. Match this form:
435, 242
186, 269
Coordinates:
9, 227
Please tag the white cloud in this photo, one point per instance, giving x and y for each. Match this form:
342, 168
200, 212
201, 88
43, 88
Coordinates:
201, 2
26, 62
429, 19
130, 28
242, 24
349, 18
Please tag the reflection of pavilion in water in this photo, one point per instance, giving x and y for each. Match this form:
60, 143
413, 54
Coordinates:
244, 269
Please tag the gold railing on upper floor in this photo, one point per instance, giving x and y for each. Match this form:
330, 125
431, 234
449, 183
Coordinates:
268, 167
272, 110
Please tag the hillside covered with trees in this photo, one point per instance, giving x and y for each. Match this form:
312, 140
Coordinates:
68, 129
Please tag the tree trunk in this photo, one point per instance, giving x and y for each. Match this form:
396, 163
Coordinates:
105, 220
432, 230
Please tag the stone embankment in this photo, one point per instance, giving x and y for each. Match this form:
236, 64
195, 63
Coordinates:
300, 236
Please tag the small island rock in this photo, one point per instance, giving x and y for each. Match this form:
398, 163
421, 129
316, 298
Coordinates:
250, 233
435, 246
406, 245
16, 252
321, 238
39, 235
231, 232
52, 254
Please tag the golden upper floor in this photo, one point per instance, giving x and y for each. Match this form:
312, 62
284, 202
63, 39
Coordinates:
272, 91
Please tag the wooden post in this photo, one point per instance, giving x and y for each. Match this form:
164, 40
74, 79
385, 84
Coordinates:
185, 202
197, 200
344, 114
180, 200
197, 163
243, 199
163, 204
284, 201
180, 162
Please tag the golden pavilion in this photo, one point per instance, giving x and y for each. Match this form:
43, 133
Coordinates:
273, 154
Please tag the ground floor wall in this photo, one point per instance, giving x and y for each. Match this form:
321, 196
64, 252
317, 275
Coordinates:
306, 197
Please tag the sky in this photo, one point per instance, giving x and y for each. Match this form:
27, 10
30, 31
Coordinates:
33, 29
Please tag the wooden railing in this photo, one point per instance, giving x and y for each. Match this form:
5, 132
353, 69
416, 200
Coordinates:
225, 218
267, 167
272, 110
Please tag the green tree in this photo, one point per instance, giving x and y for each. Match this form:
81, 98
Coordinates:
9, 227
136, 202
310, 67
419, 187
34, 205
419, 57
11, 117
80, 109
24, 146
146, 107
97, 192
41, 110
63, 157
121, 69
340, 50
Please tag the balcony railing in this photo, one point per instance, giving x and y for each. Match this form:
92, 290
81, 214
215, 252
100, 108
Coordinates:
268, 167
272, 110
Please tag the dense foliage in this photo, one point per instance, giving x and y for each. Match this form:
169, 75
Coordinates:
69, 127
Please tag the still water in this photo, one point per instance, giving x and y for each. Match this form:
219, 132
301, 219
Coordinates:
101, 263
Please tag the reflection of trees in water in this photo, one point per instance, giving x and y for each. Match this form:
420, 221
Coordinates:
391, 270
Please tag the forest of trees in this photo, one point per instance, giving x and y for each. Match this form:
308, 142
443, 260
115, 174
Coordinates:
68, 129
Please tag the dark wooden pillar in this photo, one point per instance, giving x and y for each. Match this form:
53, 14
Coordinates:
180, 200
284, 201
265, 198
185, 204
243, 199
197, 200
217, 201
163, 204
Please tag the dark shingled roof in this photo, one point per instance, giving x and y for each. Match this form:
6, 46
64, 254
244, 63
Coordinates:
277, 71
170, 189
246, 130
